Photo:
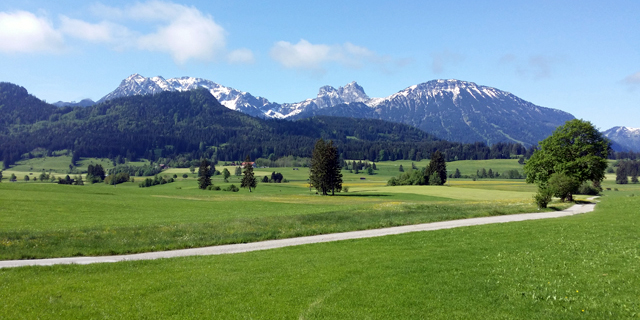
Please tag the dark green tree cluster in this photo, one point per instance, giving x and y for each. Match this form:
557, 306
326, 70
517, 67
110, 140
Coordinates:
625, 169
325, 171
157, 180
248, 179
434, 174
276, 177
575, 153
77, 181
145, 170
95, 174
117, 178
358, 166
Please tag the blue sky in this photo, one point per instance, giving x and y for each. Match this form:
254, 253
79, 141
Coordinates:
582, 57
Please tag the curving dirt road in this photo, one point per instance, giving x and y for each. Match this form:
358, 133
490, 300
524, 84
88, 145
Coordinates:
272, 244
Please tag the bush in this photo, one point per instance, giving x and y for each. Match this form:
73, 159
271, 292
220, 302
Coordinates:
212, 187
543, 197
588, 189
563, 186
232, 188
345, 189
184, 176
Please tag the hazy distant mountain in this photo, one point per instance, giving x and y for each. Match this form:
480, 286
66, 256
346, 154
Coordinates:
624, 138
82, 103
451, 109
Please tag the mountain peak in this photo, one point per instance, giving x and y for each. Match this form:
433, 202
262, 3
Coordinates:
626, 138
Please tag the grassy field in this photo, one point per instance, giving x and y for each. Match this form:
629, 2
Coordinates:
584, 266
39, 220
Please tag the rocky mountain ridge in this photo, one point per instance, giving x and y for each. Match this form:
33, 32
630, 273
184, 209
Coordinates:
451, 109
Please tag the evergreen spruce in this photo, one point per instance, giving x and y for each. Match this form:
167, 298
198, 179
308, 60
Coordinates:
204, 175
248, 180
438, 166
621, 175
324, 173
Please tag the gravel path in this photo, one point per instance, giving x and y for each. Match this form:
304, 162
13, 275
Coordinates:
271, 244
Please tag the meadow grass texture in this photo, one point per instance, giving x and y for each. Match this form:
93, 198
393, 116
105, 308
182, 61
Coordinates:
584, 266
41, 220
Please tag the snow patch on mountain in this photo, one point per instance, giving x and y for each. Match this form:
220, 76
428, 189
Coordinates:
625, 138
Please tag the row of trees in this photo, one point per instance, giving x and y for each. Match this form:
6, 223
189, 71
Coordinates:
207, 169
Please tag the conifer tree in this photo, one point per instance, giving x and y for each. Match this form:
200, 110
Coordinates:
324, 173
204, 174
248, 180
438, 166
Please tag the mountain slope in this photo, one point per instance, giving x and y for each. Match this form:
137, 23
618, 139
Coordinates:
17, 106
624, 138
451, 109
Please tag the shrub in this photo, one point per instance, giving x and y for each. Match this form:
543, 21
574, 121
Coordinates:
588, 189
543, 197
563, 186
345, 189
184, 176
212, 187
232, 188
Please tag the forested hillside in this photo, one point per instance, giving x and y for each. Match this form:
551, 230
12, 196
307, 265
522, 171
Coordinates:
195, 124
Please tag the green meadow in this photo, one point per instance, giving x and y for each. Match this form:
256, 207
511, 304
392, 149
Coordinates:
43, 220
584, 266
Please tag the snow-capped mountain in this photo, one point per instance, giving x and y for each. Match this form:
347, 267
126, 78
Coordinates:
624, 138
451, 109
229, 97
460, 111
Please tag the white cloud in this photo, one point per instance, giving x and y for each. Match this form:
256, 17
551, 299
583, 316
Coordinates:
307, 56
241, 56
303, 55
103, 32
632, 79
24, 32
184, 32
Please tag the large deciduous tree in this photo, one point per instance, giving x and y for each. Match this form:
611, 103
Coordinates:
576, 150
248, 180
324, 173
